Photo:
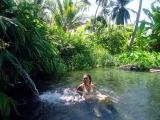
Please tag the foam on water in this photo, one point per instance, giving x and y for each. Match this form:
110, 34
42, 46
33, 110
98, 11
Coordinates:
67, 96
67, 100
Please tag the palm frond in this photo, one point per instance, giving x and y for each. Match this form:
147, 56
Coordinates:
60, 8
67, 3
133, 11
126, 16
114, 13
126, 2
119, 9
148, 14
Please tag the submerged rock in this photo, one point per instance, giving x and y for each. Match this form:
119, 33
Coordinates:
130, 67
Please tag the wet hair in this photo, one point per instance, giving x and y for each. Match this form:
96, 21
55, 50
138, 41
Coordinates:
89, 76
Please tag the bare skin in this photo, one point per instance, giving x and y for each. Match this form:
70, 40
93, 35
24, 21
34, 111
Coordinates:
86, 83
102, 99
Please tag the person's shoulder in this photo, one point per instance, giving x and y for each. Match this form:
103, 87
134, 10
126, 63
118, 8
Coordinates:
80, 87
82, 84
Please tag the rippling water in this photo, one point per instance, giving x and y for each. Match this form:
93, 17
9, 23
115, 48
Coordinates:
130, 96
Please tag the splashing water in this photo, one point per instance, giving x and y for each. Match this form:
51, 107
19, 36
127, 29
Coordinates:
69, 97
65, 97
133, 96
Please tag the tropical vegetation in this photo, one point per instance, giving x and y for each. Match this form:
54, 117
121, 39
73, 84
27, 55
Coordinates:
119, 12
52, 37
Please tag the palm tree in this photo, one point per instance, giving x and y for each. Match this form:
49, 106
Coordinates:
120, 13
136, 26
100, 3
69, 15
158, 1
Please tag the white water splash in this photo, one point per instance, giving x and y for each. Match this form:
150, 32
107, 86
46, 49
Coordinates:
66, 97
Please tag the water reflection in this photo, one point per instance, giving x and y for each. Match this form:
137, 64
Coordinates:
130, 96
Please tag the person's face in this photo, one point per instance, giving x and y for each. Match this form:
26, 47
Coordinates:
86, 79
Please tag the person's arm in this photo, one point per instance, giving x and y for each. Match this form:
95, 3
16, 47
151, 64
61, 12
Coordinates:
80, 89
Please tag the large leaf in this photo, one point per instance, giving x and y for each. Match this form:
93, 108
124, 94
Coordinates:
142, 26
1, 60
61, 11
149, 14
17, 23
4, 28
5, 103
9, 56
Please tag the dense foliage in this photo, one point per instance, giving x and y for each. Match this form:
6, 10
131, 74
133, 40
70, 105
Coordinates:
41, 44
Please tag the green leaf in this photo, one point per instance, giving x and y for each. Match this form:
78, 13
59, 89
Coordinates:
5, 1
60, 8
4, 105
5, 102
10, 57
40, 68
15, 21
3, 25
38, 33
39, 51
142, 26
14, 106
21, 34
1, 60
148, 13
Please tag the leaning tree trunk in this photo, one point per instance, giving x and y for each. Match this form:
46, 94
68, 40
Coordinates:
136, 26
94, 20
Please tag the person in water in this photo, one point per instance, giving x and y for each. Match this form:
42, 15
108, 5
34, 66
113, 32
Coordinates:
86, 87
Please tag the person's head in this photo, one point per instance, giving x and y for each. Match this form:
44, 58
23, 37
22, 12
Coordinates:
87, 78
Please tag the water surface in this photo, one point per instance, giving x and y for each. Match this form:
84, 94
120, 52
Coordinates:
131, 96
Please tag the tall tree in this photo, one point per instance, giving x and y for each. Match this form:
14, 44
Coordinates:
100, 3
120, 13
136, 26
69, 15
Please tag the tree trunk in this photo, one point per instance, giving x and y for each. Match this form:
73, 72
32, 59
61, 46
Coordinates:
120, 19
94, 21
136, 26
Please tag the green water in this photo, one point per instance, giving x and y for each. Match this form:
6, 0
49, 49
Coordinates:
132, 96
135, 95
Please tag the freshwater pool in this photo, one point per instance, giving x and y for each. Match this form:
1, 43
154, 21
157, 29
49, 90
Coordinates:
131, 96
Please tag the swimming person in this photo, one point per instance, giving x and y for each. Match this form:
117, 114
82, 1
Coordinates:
86, 87
103, 105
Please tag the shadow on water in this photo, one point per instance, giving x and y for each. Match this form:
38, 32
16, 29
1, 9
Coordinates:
130, 96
